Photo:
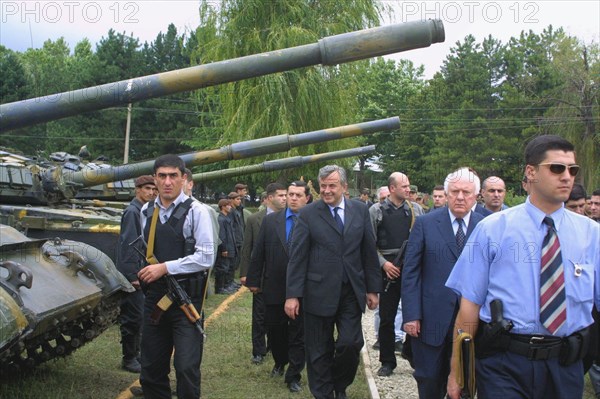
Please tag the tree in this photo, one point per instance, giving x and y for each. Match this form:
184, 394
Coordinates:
290, 102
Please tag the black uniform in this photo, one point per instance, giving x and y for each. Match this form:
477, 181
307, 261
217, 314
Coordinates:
392, 231
129, 264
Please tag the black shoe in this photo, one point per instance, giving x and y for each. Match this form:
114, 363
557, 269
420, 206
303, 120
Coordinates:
385, 370
258, 359
294, 386
136, 391
340, 395
277, 370
131, 365
376, 345
398, 346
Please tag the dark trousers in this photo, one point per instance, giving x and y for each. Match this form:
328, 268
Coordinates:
507, 375
259, 341
388, 307
174, 331
286, 337
332, 365
130, 320
432, 366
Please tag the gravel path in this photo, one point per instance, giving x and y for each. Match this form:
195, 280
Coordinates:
401, 383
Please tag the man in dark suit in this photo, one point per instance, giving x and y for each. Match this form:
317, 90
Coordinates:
334, 268
267, 272
276, 197
428, 307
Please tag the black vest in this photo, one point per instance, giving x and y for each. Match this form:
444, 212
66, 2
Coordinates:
394, 227
169, 241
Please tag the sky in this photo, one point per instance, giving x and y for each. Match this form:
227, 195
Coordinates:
26, 24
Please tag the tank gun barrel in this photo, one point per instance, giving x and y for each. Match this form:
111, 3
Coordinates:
56, 178
284, 163
330, 50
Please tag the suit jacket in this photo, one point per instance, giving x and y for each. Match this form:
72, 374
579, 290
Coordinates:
430, 256
320, 254
253, 223
269, 259
482, 210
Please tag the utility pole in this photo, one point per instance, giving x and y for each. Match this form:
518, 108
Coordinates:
127, 128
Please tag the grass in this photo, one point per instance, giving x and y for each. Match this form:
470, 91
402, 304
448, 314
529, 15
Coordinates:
93, 371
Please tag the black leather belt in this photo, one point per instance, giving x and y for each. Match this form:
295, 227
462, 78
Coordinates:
535, 347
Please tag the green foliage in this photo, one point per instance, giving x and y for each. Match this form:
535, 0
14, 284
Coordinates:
292, 102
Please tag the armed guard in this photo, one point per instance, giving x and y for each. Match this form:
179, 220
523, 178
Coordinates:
180, 235
392, 220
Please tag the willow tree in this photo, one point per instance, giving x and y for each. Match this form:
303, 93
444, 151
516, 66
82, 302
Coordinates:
576, 109
290, 102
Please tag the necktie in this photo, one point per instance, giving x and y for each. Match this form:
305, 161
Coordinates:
460, 235
289, 236
553, 307
338, 219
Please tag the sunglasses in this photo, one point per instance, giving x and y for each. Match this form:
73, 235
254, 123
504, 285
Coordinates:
559, 168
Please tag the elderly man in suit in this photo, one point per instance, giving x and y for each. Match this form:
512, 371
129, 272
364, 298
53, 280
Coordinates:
334, 268
267, 272
428, 306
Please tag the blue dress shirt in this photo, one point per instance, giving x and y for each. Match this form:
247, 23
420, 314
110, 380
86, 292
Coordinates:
501, 260
288, 222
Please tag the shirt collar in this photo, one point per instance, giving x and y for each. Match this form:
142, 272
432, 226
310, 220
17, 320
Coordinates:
180, 198
289, 212
342, 206
538, 216
465, 218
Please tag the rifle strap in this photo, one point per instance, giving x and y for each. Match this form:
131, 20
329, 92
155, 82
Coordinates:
150, 258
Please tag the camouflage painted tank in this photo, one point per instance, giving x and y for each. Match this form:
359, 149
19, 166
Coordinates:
58, 293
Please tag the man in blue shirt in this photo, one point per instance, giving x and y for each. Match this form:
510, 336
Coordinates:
503, 260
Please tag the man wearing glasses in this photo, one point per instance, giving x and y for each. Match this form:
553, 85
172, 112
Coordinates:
541, 261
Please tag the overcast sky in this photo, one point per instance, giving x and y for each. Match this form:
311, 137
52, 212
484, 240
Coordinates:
25, 24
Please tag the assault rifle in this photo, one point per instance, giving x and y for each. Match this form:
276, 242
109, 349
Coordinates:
175, 294
397, 262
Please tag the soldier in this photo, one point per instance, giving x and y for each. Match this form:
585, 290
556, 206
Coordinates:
392, 221
227, 250
184, 248
129, 263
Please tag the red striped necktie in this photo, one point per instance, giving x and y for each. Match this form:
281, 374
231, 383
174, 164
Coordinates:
553, 306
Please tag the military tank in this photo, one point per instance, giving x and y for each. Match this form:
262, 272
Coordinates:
58, 293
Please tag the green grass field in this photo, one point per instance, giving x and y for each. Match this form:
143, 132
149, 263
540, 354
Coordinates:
93, 371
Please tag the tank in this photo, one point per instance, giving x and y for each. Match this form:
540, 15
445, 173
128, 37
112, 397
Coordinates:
55, 296
59, 285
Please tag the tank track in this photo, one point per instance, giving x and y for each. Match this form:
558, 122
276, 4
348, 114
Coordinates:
26, 353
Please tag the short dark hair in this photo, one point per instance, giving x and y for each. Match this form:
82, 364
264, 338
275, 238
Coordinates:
240, 186
535, 151
188, 174
274, 187
596, 192
439, 187
300, 183
170, 161
223, 203
577, 192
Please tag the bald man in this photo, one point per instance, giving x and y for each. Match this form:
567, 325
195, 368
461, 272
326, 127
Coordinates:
493, 191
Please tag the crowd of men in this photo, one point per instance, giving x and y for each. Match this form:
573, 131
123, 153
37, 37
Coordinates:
430, 268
